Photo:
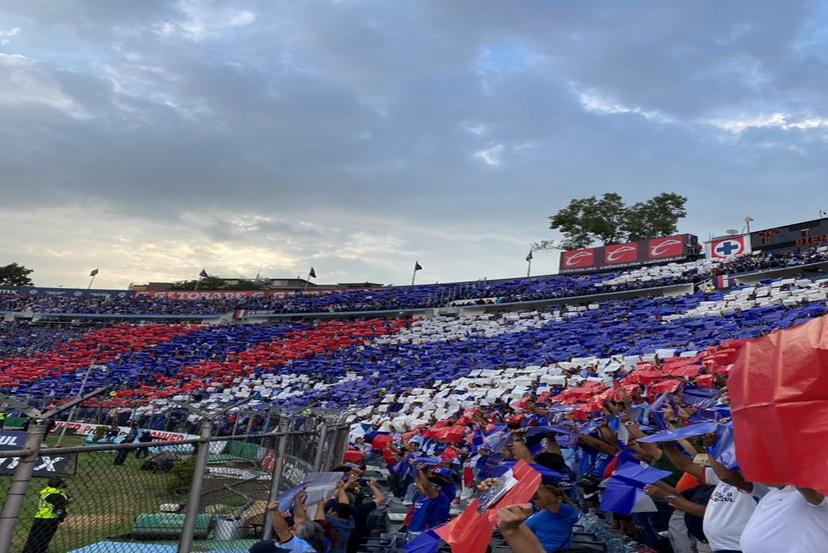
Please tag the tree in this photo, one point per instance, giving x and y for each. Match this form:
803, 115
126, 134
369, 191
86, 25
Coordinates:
586, 220
206, 283
656, 217
245, 285
15, 275
216, 283
609, 221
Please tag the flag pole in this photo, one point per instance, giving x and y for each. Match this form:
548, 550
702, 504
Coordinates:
529, 267
91, 280
198, 281
307, 281
414, 274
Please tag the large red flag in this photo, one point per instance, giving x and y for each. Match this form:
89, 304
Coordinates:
779, 395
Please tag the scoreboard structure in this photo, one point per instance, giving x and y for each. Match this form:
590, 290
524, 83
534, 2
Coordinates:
799, 235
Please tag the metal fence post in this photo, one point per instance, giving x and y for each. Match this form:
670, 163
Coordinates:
20, 482
330, 450
276, 481
320, 447
194, 500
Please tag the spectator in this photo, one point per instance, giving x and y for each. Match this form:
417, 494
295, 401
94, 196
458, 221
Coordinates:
554, 522
432, 507
731, 503
788, 519
513, 527
307, 537
361, 514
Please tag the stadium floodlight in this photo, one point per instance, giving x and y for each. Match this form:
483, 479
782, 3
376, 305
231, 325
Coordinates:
732, 232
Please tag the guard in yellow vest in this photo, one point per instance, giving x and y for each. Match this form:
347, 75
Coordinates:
51, 510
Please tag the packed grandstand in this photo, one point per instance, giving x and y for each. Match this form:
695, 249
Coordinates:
553, 381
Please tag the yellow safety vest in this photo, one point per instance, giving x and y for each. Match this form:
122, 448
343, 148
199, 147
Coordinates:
44, 508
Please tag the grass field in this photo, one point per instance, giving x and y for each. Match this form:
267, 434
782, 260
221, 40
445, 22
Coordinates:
107, 498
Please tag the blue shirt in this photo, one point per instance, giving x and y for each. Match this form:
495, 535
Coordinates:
554, 530
429, 512
449, 489
344, 529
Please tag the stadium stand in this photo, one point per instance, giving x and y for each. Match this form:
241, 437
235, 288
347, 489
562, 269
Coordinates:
558, 397
68, 302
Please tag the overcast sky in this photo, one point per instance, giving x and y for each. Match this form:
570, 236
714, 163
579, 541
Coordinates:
153, 138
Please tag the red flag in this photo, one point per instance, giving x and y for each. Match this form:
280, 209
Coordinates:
779, 397
468, 533
471, 532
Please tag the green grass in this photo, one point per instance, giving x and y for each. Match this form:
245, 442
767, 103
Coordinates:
107, 498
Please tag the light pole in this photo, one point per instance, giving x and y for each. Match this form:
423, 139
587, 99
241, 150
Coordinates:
748, 221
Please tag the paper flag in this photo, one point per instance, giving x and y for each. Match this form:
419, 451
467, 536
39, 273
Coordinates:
689, 431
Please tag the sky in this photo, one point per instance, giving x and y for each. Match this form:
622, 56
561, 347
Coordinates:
153, 139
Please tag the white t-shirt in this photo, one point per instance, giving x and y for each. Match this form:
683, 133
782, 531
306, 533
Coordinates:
784, 522
728, 512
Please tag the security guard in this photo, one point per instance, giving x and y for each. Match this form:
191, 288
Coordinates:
51, 510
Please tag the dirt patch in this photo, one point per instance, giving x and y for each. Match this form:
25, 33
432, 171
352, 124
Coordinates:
80, 522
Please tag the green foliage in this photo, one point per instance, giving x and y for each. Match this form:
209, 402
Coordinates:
609, 221
182, 472
215, 283
243, 284
656, 217
206, 283
15, 275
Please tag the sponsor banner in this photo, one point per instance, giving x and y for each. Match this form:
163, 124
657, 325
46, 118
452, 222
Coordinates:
295, 470
88, 430
621, 254
204, 294
631, 254
729, 246
799, 235
66, 292
46, 466
84, 429
194, 295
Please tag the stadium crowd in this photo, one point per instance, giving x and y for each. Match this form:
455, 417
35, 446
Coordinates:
406, 297
646, 462
607, 420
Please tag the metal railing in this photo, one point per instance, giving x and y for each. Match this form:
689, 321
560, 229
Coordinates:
164, 495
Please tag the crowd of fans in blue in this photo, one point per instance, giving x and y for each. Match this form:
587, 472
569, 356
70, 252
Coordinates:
391, 298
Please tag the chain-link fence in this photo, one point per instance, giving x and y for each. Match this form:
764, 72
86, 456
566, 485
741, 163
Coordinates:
152, 497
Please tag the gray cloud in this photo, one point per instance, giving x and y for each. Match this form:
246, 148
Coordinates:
442, 130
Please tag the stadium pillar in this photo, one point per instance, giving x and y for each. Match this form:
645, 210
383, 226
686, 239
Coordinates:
194, 500
20, 482
276, 480
320, 447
